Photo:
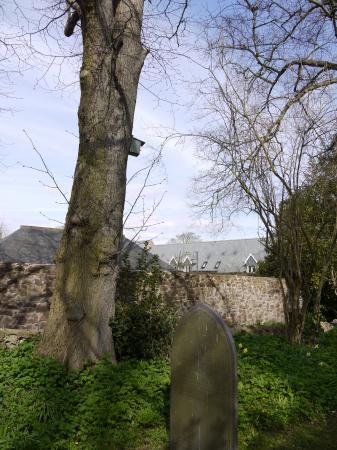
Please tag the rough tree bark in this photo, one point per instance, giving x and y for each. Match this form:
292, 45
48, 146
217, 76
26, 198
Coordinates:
87, 261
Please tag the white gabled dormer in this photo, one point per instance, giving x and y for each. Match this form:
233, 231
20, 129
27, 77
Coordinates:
187, 261
173, 262
187, 264
250, 263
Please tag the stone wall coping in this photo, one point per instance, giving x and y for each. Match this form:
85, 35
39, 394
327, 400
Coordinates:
17, 332
15, 264
219, 274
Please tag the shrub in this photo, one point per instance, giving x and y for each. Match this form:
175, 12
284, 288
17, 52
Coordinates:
144, 322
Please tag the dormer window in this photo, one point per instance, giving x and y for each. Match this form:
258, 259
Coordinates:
187, 264
250, 264
204, 264
173, 262
187, 261
217, 265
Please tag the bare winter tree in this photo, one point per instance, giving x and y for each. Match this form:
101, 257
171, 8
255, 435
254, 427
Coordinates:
88, 258
185, 238
270, 107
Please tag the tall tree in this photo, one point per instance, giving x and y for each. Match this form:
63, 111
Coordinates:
270, 100
185, 238
88, 257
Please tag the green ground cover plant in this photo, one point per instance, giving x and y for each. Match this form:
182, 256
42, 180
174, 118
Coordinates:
101, 407
285, 394
282, 385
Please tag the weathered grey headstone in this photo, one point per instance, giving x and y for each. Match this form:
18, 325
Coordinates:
203, 383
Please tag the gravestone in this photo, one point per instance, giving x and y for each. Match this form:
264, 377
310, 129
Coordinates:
203, 412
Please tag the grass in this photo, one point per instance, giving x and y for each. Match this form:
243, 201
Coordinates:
286, 398
319, 434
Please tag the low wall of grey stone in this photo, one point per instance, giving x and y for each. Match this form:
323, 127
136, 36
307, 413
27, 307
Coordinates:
240, 299
9, 337
25, 293
26, 290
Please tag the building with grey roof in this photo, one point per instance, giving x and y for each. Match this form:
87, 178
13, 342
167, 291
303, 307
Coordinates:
30, 244
237, 255
38, 245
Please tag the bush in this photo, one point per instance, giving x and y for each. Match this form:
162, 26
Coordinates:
144, 322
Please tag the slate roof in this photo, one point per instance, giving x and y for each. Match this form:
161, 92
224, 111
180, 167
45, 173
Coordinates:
232, 254
39, 244
30, 244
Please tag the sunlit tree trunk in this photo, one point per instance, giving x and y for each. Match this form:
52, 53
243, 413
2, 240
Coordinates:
295, 316
87, 261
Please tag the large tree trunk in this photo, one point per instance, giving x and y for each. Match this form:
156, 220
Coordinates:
87, 261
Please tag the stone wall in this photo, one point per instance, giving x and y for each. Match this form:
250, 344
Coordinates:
26, 289
240, 299
9, 338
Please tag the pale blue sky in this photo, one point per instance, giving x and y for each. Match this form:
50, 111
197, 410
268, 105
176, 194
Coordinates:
50, 119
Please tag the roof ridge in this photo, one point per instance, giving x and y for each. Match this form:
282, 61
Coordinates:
39, 228
208, 242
